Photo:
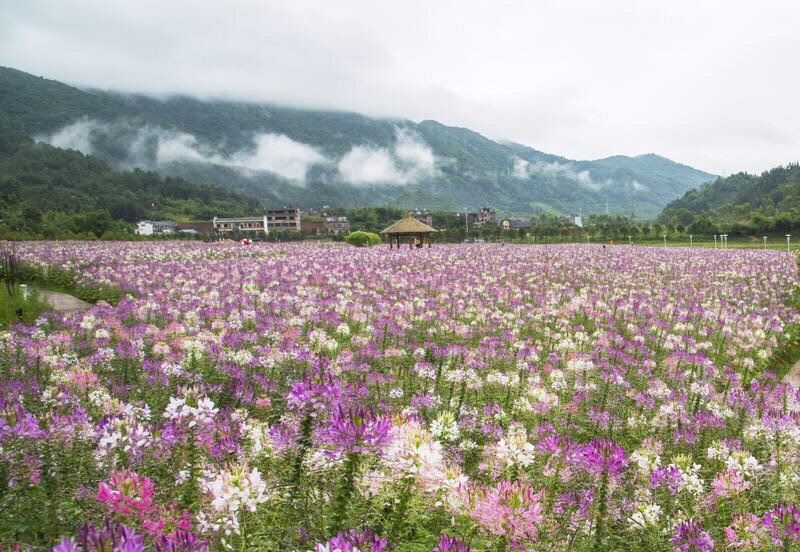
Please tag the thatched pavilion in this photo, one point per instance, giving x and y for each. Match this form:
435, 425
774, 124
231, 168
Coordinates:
411, 229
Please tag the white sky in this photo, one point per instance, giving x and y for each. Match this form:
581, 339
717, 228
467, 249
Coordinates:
711, 83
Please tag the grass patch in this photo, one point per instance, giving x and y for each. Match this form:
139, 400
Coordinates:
789, 353
66, 281
15, 308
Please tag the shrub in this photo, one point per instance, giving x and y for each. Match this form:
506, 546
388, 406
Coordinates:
363, 239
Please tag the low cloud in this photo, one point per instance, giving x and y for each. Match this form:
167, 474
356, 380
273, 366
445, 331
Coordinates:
279, 154
77, 136
149, 146
410, 160
525, 169
521, 168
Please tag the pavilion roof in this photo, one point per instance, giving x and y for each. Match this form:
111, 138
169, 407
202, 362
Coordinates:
408, 225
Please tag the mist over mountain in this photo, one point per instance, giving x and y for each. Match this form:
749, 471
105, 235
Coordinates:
314, 158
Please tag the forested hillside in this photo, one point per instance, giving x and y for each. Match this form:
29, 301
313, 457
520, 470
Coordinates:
314, 158
53, 192
743, 203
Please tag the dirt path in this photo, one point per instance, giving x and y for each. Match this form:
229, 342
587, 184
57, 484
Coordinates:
793, 377
63, 302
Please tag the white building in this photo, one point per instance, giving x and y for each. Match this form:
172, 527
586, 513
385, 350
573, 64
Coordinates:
243, 224
155, 227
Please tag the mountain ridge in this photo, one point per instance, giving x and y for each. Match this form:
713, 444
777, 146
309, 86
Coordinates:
316, 157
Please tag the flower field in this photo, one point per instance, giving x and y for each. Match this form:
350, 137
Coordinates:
323, 397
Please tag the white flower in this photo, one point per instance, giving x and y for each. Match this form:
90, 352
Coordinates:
445, 427
514, 448
645, 516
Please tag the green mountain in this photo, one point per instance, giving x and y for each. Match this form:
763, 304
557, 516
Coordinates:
743, 203
54, 192
315, 158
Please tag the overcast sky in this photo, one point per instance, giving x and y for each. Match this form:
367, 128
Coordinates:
711, 83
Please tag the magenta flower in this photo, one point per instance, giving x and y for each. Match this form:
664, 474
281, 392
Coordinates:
604, 456
128, 495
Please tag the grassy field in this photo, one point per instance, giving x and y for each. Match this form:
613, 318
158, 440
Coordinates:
773, 244
15, 308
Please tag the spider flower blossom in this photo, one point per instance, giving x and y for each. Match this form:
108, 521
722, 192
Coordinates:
357, 430
510, 510
783, 524
690, 537
604, 456
231, 491
180, 541
354, 541
451, 544
127, 494
729, 483
110, 537
745, 532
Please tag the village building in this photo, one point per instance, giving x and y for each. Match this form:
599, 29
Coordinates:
325, 225
410, 229
576, 220
337, 225
424, 217
200, 227
313, 225
517, 222
155, 227
287, 218
241, 224
483, 216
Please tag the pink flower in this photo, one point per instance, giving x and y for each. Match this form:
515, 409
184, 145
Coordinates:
512, 510
728, 483
745, 532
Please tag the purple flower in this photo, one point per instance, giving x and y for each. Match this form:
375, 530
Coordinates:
690, 537
180, 541
110, 537
357, 430
783, 522
669, 477
354, 541
451, 544
66, 545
